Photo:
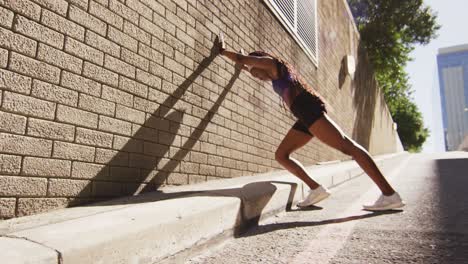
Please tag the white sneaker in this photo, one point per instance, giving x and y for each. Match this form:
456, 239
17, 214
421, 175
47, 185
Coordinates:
314, 197
384, 202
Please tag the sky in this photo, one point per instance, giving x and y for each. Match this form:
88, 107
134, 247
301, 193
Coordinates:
453, 17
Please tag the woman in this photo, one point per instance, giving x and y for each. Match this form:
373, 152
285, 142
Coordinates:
312, 121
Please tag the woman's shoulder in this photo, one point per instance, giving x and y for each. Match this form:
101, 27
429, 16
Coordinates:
281, 67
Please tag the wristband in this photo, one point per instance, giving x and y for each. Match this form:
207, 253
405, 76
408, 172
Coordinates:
242, 51
221, 42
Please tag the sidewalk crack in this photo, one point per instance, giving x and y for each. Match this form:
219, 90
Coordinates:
59, 255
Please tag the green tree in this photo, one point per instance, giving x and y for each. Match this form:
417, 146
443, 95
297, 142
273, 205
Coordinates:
389, 30
410, 125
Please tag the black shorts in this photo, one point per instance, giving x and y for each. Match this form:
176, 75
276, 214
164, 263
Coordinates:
307, 108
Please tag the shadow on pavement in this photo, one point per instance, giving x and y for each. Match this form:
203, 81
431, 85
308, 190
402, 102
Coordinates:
262, 229
453, 208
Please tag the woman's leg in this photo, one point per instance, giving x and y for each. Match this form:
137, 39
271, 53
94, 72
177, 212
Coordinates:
294, 140
328, 132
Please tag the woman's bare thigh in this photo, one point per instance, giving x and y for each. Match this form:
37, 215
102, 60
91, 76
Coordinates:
329, 132
293, 140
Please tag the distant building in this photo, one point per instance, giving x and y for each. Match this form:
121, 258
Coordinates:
453, 78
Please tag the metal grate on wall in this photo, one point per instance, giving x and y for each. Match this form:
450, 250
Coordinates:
300, 18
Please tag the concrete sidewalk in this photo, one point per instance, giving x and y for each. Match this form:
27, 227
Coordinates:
173, 221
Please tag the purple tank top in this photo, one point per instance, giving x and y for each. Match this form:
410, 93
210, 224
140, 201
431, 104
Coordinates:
282, 85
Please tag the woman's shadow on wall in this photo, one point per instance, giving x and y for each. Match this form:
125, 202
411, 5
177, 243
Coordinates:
152, 176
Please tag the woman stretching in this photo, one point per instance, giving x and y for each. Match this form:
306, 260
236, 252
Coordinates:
312, 120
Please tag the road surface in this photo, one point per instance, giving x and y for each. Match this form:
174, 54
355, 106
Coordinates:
432, 228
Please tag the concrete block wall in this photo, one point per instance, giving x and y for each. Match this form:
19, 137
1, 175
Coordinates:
106, 98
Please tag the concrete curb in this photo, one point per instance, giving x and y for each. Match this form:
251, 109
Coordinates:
154, 226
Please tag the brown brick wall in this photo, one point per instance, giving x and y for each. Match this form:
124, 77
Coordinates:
104, 98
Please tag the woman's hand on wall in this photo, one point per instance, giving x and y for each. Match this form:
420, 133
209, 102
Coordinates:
219, 45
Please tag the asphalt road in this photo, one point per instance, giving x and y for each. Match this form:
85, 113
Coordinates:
432, 228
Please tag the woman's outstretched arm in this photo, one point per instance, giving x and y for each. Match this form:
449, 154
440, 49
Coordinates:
265, 63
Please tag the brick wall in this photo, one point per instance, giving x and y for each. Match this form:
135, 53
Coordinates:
105, 98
